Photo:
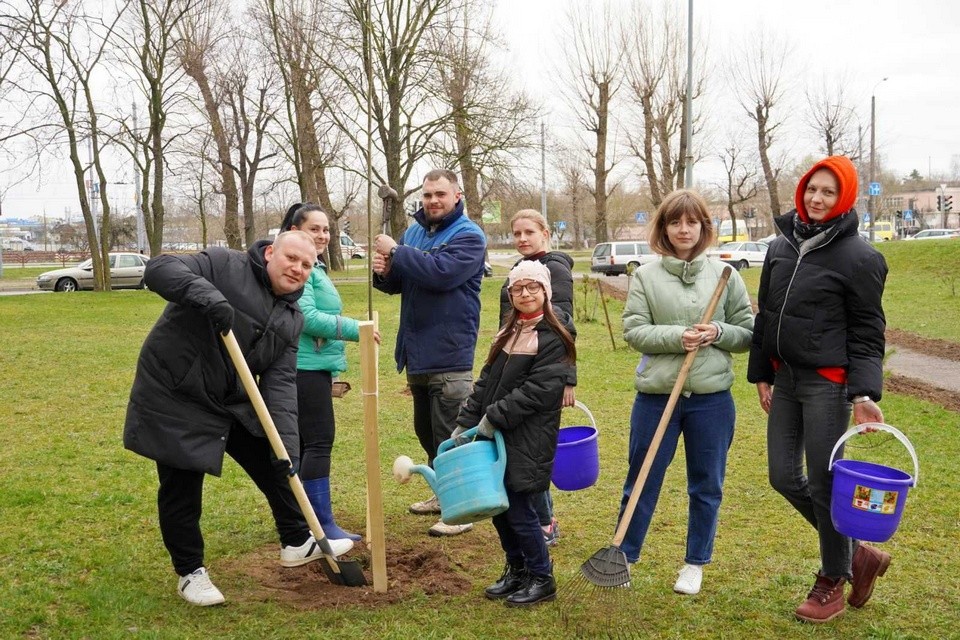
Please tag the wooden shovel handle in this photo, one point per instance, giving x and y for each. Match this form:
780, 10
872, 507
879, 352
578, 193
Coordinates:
276, 443
665, 418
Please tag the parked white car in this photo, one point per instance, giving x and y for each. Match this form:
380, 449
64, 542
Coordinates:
614, 258
741, 255
935, 234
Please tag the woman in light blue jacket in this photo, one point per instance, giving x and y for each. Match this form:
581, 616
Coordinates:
321, 357
661, 320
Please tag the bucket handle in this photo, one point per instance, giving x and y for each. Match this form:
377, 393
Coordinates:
879, 426
583, 407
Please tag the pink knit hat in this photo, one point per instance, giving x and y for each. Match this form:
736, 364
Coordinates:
531, 270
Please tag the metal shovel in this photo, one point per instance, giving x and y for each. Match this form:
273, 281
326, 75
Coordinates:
341, 572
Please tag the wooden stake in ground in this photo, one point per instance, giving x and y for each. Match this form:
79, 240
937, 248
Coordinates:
606, 313
371, 393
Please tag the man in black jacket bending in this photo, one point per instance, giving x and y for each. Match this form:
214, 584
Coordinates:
188, 407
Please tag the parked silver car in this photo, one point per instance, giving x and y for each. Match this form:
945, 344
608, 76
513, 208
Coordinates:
614, 258
126, 272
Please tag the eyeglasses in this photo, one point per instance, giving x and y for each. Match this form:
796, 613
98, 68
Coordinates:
533, 288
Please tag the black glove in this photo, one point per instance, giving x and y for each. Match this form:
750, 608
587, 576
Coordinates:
221, 316
285, 467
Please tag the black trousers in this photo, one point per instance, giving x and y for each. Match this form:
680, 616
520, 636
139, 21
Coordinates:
318, 427
520, 534
180, 501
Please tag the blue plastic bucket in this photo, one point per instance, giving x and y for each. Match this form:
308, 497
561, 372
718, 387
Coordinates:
577, 462
469, 479
868, 498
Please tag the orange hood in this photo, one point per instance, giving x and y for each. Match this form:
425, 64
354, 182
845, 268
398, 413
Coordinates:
846, 174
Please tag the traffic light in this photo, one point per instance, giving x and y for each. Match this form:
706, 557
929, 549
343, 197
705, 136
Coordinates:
899, 215
947, 204
939, 203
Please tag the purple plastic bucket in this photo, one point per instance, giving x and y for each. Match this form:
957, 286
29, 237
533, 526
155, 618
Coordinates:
868, 498
577, 462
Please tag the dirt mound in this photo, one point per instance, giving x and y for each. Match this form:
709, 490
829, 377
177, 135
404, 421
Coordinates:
426, 570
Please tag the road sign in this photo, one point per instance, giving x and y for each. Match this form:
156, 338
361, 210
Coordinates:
908, 214
561, 225
866, 217
874, 189
641, 217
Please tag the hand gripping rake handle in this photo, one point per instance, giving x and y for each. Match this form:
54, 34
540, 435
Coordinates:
665, 418
279, 450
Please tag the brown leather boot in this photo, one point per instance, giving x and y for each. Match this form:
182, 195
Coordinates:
825, 601
869, 563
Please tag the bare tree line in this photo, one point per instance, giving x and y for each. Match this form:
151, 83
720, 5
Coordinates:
241, 107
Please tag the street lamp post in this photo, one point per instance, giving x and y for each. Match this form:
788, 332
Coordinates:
873, 151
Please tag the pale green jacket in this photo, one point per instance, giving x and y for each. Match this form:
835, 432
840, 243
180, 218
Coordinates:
666, 298
321, 345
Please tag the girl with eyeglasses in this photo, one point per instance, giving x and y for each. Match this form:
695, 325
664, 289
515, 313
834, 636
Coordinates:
531, 236
519, 392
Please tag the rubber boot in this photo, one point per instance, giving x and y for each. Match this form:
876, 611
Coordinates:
319, 493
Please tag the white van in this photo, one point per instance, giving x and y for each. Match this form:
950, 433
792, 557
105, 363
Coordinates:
614, 258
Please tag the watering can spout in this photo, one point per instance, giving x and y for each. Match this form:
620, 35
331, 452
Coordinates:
403, 468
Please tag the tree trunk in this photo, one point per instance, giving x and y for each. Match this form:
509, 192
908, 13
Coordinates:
600, 158
231, 204
768, 174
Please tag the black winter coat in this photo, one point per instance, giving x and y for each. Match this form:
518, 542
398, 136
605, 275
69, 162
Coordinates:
822, 308
187, 395
520, 395
560, 266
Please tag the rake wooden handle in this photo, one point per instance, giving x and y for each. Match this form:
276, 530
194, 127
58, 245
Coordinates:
665, 418
276, 443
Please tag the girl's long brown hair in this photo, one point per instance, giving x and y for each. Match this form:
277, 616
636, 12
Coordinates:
514, 317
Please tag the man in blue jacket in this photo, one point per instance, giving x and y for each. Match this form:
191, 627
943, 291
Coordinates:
437, 269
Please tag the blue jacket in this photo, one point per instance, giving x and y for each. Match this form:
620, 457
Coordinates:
438, 274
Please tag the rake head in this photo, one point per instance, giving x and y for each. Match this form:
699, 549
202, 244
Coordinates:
608, 567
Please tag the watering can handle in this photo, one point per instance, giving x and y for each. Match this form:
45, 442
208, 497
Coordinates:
879, 426
450, 443
583, 407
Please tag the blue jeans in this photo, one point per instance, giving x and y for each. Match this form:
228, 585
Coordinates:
520, 534
706, 423
807, 416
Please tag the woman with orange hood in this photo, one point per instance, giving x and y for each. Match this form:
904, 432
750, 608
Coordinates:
817, 355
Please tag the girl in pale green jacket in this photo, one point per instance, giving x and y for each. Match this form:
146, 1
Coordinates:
320, 358
661, 320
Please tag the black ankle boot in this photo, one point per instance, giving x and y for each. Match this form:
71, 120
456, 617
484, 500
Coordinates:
512, 580
537, 589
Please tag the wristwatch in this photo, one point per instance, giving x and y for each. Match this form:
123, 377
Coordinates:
393, 250
861, 399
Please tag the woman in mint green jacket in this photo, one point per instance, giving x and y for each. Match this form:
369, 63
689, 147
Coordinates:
661, 320
321, 357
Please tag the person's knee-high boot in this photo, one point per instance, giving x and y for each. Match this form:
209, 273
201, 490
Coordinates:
319, 493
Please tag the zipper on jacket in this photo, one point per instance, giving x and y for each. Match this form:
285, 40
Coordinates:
793, 276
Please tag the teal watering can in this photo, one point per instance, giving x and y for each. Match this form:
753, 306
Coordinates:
467, 479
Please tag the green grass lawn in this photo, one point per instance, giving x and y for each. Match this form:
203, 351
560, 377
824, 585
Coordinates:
81, 555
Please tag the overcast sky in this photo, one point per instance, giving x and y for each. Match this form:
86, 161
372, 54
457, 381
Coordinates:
914, 44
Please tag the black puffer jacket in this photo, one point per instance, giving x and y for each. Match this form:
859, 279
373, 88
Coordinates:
520, 395
560, 266
821, 307
186, 394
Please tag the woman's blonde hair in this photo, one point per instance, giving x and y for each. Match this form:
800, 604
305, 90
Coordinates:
531, 214
680, 203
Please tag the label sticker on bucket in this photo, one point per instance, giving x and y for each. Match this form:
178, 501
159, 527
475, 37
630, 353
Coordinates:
875, 500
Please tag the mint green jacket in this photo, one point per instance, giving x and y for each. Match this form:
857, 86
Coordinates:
666, 298
321, 345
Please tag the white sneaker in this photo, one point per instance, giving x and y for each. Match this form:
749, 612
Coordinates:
426, 507
691, 576
310, 550
197, 589
444, 529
